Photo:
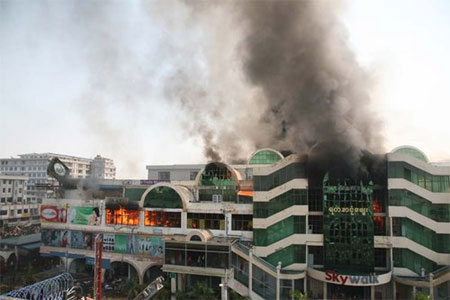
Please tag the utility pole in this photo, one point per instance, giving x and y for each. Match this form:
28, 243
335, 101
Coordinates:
98, 267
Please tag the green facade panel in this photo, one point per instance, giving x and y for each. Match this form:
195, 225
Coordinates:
405, 258
421, 235
436, 212
264, 157
279, 203
134, 194
277, 178
163, 197
348, 229
433, 183
279, 230
289, 255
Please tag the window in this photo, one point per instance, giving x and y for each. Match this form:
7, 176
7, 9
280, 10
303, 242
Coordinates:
164, 176
3, 199
315, 224
315, 255
3, 212
25, 211
122, 216
19, 211
242, 222
206, 221
162, 219
380, 257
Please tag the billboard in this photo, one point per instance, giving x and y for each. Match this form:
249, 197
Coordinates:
82, 215
53, 214
55, 238
141, 245
121, 243
81, 240
152, 246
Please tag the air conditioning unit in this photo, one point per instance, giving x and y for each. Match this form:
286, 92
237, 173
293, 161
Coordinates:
217, 198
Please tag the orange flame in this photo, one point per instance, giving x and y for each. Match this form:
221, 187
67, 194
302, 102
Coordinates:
122, 216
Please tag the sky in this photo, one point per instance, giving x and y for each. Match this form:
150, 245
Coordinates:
64, 87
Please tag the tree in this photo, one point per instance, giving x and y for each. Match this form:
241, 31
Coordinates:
298, 295
201, 291
422, 296
28, 277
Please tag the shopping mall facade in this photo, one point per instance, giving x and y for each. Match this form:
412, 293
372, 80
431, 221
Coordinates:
268, 227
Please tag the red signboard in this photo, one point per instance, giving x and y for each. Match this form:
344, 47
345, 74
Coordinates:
53, 214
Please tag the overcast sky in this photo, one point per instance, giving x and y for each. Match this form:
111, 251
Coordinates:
64, 86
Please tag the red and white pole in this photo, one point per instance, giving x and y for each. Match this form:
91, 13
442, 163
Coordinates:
98, 267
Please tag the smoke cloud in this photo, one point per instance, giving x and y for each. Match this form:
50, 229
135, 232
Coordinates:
234, 76
303, 88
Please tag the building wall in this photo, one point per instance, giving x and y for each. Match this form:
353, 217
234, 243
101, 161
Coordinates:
419, 205
34, 166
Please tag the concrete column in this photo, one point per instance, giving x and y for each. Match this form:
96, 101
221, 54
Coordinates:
305, 285
394, 289
141, 219
372, 292
184, 221
224, 288
431, 287
173, 286
250, 273
414, 292
278, 279
325, 291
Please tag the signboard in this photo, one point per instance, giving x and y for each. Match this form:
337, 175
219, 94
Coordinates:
151, 181
55, 238
53, 214
82, 215
120, 243
369, 279
81, 240
152, 246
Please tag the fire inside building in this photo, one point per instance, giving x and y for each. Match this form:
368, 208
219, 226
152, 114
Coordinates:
266, 229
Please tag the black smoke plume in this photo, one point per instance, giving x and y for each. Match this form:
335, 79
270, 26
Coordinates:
295, 58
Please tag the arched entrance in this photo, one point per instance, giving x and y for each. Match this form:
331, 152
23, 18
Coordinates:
120, 271
79, 268
152, 273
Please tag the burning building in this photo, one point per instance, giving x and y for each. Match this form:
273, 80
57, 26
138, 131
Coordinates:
273, 225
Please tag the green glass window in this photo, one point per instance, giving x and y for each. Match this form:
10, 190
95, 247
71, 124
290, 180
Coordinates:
163, 197
405, 258
277, 178
433, 183
348, 227
264, 157
412, 152
421, 235
437, 212
279, 203
279, 230
217, 174
134, 194
206, 221
289, 255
